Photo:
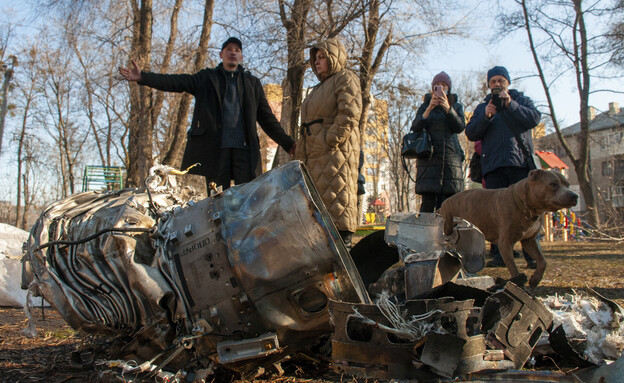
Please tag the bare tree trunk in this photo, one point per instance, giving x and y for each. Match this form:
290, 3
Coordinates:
20, 160
18, 202
297, 62
8, 75
296, 25
174, 154
89, 101
166, 62
116, 122
27, 202
109, 119
68, 141
281, 157
580, 161
65, 151
56, 106
141, 128
21, 141
368, 68
583, 80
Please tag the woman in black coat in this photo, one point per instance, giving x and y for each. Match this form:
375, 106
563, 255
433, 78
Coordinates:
442, 116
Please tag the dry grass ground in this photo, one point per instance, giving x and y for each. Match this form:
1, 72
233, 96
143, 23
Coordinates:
576, 265
47, 358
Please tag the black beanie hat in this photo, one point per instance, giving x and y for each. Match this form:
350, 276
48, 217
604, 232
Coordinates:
498, 71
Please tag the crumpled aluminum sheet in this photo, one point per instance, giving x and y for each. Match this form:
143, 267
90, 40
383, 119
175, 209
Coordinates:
109, 285
419, 236
270, 243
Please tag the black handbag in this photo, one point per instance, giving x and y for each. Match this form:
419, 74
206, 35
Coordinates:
417, 145
475, 167
361, 182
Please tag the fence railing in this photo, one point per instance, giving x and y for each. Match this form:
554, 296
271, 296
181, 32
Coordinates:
103, 178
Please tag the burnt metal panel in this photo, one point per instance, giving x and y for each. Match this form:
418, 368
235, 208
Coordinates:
457, 337
430, 257
476, 357
613, 372
418, 235
442, 352
560, 344
520, 322
363, 348
430, 270
155, 270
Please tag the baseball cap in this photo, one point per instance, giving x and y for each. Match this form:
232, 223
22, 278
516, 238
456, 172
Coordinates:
233, 40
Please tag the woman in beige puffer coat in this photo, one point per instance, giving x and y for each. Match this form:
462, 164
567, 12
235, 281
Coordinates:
329, 143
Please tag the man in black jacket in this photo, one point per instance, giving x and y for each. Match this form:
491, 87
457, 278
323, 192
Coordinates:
503, 123
228, 103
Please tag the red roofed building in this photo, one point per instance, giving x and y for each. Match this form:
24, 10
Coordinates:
550, 160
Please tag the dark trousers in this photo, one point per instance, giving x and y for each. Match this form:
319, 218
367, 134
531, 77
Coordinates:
235, 164
431, 202
501, 178
505, 176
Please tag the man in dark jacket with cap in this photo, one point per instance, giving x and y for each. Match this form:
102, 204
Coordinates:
504, 117
228, 103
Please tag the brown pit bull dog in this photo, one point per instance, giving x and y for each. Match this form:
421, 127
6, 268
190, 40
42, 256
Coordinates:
506, 216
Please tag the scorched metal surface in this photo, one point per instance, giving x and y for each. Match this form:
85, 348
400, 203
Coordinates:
242, 278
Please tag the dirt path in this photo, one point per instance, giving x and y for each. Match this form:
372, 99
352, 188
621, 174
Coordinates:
47, 358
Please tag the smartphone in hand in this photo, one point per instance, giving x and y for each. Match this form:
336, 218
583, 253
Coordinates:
496, 100
438, 90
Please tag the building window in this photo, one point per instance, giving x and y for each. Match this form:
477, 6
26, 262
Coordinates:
607, 168
603, 142
610, 140
371, 171
619, 166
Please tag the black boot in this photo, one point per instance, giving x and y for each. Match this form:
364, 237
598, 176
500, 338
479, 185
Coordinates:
497, 259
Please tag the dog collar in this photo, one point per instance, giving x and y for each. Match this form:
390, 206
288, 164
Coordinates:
528, 214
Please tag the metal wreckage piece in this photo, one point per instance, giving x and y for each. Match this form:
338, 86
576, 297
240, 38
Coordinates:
242, 279
252, 275
425, 258
422, 325
382, 340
